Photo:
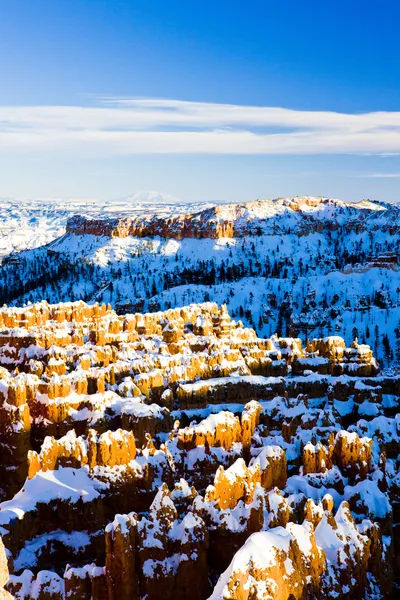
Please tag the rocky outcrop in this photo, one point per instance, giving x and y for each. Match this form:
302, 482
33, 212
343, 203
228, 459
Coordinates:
222, 221
121, 570
353, 454
330, 356
279, 564
142, 453
328, 555
222, 429
172, 551
348, 451
243, 500
106, 450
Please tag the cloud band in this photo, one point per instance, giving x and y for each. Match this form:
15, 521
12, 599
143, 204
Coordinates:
149, 126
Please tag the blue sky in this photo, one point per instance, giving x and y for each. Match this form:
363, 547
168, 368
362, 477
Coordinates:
204, 100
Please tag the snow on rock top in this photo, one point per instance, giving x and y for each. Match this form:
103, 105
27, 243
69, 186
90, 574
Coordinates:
33, 222
178, 446
225, 220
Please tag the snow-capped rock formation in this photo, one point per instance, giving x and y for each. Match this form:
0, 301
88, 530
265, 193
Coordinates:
299, 561
306, 215
30, 223
176, 453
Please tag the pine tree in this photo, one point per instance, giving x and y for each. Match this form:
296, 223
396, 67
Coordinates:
386, 347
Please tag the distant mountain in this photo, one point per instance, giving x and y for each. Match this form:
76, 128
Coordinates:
149, 197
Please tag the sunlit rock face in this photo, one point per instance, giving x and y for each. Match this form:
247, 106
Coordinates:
302, 561
4, 573
306, 214
177, 455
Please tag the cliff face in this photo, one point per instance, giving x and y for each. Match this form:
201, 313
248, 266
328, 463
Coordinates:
176, 454
232, 220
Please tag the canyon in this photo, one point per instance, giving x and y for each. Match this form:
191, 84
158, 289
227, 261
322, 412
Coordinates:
176, 453
200, 400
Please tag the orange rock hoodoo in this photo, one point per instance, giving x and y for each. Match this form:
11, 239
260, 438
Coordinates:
175, 454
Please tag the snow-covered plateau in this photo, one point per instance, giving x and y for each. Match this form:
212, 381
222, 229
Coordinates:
30, 223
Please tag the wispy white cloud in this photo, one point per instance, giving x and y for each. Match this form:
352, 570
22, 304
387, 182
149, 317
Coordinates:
381, 175
149, 126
